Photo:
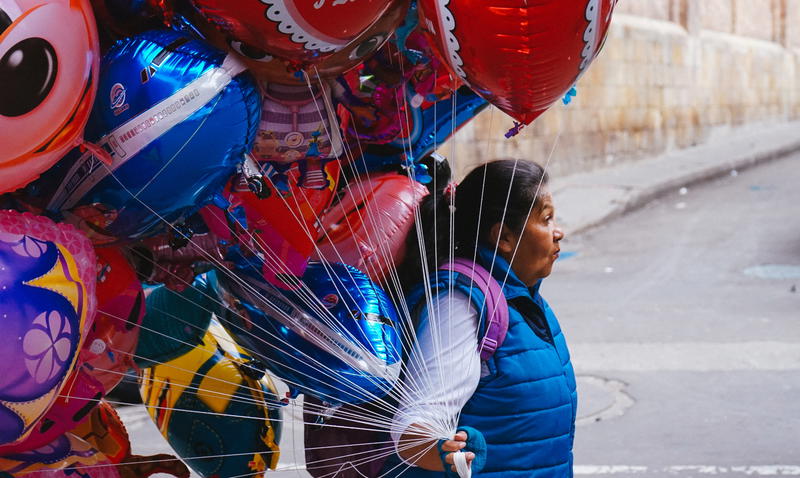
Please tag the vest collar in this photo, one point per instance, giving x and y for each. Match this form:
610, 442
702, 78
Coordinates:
513, 286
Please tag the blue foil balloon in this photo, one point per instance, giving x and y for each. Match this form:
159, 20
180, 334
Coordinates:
172, 120
430, 127
338, 340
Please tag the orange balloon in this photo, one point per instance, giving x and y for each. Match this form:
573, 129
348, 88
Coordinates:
49, 61
105, 431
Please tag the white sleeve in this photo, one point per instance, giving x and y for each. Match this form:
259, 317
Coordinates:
443, 369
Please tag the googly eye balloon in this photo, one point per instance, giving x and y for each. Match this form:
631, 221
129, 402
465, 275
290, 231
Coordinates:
304, 32
48, 78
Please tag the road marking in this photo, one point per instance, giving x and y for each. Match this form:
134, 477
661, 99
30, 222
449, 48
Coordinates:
685, 356
685, 470
774, 271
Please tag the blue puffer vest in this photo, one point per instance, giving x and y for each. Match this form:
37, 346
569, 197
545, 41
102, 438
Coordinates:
526, 400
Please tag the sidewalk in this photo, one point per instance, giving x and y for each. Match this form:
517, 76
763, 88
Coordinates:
589, 199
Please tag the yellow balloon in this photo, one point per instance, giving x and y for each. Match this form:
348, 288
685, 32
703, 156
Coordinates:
218, 419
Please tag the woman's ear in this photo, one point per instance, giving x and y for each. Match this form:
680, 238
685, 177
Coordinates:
505, 239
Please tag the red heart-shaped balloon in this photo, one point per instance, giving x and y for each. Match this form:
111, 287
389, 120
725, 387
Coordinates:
520, 55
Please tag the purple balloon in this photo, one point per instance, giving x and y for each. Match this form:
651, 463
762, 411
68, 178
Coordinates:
44, 307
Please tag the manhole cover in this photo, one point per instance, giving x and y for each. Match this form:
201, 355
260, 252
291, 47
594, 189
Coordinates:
600, 399
774, 271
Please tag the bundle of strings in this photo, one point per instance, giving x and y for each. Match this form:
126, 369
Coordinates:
380, 411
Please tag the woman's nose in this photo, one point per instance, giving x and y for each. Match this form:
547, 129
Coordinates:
558, 234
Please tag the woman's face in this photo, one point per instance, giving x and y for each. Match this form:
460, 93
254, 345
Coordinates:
537, 247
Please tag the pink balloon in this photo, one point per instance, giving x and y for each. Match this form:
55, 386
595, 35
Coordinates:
67, 456
101, 469
368, 227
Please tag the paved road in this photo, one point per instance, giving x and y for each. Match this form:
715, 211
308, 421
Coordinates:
684, 323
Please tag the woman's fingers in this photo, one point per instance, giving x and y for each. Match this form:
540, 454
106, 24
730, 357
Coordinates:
452, 445
449, 458
469, 455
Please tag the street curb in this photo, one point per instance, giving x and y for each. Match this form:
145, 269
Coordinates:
630, 197
712, 172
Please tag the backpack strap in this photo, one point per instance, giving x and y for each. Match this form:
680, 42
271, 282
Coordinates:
494, 302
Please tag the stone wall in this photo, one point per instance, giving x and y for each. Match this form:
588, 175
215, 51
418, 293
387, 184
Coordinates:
673, 72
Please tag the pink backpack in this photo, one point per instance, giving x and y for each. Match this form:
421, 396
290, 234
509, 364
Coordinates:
495, 303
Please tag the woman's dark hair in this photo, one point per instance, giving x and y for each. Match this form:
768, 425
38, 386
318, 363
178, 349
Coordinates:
500, 191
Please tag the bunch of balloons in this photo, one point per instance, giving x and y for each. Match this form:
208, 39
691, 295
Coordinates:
217, 193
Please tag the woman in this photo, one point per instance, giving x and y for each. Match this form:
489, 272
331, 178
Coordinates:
522, 400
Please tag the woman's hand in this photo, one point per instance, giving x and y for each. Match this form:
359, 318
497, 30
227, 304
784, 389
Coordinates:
417, 448
455, 445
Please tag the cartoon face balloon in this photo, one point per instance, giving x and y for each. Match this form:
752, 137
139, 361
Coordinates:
265, 66
520, 56
48, 78
304, 32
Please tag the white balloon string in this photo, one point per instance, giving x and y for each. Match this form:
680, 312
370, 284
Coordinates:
460, 462
384, 249
218, 338
319, 366
306, 297
432, 318
399, 390
397, 289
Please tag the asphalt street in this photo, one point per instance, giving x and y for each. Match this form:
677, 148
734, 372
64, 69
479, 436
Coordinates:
683, 319
684, 323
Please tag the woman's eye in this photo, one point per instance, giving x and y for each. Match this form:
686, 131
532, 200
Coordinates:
250, 52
